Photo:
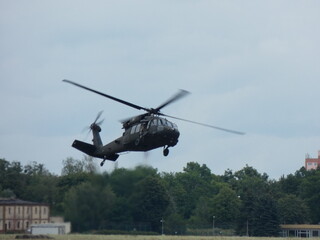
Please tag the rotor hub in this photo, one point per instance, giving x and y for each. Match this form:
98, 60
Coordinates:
95, 127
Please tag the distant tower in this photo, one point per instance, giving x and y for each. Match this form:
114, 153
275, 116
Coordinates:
312, 163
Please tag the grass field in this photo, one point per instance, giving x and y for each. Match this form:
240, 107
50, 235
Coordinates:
140, 237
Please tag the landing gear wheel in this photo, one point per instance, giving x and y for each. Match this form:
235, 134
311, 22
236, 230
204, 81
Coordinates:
101, 164
165, 152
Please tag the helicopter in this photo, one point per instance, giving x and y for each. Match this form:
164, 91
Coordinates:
144, 132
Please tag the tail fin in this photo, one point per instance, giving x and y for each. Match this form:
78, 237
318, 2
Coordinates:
89, 148
96, 136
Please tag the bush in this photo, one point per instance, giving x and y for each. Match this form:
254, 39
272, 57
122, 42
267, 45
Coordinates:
121, 232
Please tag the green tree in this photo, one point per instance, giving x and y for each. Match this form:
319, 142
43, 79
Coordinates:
150, 202
72, 166
121, 215
291, 183
90, 166
65, 183
310, 192
258, 211
292, 210
41, 184
12, 177
7, 193
190, 185
225, 207
177, 194
36, 169
174, 224
202, 214
123, 180
265, 221
88, 206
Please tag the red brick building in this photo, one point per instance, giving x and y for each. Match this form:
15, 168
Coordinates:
312, 163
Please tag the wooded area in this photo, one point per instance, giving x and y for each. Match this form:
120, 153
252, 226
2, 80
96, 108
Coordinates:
243, 202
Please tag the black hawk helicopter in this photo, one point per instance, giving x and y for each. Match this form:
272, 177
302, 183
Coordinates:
144, 132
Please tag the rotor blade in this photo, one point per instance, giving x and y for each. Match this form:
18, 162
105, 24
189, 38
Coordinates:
134, 117
174, 98
98, 116
107, 96
206, 125
86, 129
100, 122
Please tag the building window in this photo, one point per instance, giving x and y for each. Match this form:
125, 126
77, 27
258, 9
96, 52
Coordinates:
9, 210
44, 210
18, 224
36, 210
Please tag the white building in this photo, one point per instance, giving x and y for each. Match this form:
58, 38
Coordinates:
51, 228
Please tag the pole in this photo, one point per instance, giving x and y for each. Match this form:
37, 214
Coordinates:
247, 227
162, 221
213, 217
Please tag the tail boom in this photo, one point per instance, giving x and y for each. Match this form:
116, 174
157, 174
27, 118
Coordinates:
93, 151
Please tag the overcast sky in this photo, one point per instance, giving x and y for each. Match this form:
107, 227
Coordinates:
252, 66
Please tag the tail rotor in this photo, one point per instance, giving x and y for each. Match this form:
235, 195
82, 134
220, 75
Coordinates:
95, 129
95, 125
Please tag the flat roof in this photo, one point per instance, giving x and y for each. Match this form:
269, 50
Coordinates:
300, 226
15, 201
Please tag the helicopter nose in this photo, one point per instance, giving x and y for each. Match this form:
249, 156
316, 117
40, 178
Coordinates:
176, 132
172, 135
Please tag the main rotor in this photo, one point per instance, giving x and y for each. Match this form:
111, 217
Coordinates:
152, 111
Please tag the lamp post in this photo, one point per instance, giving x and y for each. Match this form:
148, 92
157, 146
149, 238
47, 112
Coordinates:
162, 221
213, 217
247, 227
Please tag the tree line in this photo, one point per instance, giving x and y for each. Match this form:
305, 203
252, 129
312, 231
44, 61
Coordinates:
243, 202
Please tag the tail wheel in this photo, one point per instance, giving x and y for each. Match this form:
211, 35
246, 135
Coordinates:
101, 164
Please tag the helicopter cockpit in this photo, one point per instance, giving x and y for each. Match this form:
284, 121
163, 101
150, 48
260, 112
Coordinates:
153, 125
162, 122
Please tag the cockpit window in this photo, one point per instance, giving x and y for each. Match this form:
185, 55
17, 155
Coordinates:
168, 124
138, 128
133, 129
154, 122
162, 122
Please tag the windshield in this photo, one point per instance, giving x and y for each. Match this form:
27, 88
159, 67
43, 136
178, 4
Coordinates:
163, 122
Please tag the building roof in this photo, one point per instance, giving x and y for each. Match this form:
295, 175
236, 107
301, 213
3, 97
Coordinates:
15, 201
49, 225
300, 226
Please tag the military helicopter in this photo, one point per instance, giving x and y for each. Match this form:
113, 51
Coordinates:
144, 132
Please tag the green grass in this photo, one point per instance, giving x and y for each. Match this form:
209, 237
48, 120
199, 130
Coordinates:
140, 237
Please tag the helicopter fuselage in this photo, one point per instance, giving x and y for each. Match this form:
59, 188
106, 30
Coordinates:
150, 133
144, 136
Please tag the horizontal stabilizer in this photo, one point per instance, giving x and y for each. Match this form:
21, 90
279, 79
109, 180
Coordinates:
84, 147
